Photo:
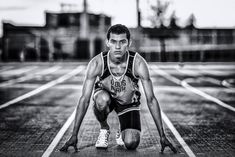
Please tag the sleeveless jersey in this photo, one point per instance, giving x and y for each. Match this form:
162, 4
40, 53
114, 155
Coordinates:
124, 90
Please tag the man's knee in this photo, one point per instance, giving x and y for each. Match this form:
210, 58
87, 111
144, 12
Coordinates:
131, 138
131, 144
102, 100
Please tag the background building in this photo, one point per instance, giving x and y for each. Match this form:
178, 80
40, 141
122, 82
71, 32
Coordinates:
64, 36
81, 36
185, 44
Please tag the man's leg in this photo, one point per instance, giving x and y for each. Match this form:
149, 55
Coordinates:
101, 107
131, 138
102, 101
130, 127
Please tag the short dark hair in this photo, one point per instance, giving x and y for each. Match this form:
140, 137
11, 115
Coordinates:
118, 29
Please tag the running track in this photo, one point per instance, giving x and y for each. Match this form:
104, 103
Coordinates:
37, 102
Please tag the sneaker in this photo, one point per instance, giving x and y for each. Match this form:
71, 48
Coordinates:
102, 141
119, 138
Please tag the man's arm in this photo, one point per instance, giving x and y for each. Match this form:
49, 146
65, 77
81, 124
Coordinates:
142, 71
93, 70
85, 97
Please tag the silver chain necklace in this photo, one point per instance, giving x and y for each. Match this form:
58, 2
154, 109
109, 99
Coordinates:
115, 77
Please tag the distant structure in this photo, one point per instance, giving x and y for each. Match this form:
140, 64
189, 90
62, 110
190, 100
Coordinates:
66, 35
172, 43
185, 44
81, 35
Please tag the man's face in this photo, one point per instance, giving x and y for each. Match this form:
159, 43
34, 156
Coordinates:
118, 44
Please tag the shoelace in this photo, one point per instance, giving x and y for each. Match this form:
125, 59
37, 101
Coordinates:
119, 138
118, 134
103, 136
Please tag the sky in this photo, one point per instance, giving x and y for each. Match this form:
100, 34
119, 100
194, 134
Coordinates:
208, 13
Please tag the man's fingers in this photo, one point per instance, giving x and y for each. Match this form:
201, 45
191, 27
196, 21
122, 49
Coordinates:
75, 147
163, 148
64, 148
173, 148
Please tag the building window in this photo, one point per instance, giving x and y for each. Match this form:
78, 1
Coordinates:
63, 20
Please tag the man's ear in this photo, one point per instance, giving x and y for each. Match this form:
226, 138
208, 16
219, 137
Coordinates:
130, 42
107, 42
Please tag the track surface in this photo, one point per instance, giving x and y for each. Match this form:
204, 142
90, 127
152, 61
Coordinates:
37, 99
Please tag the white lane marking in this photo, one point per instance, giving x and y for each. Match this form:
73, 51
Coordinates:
175, 132
227, 84
6, 68
44, 87
177, 135
216, 72
166, 75
48, 71
207, 96
30, 76
198, 73
217, 66
62, 131
205, 79
59, 135
194, 90
30, 85
212, 80
186, 71
19, 71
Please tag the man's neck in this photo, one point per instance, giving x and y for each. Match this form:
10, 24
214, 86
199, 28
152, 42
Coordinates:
120, 60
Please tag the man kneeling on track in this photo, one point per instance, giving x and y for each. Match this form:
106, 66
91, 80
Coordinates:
118, 71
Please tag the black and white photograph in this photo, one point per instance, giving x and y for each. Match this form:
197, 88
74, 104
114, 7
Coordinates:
117, 78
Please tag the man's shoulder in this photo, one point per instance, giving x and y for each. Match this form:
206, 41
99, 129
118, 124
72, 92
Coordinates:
97, 59
133, 53
95, 64
138, 57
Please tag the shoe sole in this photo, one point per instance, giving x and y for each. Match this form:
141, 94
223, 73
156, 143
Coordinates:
101, 147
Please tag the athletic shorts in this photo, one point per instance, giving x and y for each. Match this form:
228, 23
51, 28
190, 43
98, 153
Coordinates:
129, 119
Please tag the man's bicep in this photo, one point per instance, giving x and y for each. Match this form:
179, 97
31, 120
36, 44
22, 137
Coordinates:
148, 88
88, 88
141, 68
90, 78
144, 76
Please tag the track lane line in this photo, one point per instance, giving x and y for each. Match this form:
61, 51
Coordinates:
179, 138
227, 84
33, 86
207, 96
59, 135
30, 76
19, 71
177, 135
5, 68
198, 73
201, 74
186, 71
203, 94
192, 89
43, 87
69, 121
